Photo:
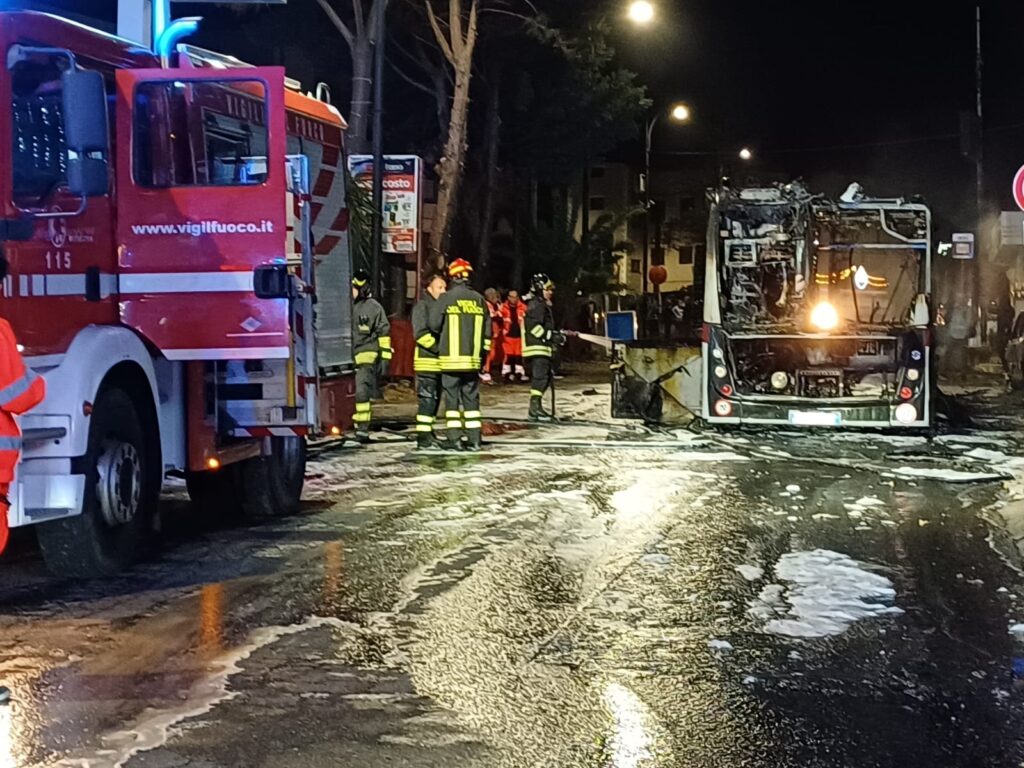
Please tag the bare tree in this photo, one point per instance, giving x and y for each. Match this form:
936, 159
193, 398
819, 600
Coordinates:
456, 37
360, 35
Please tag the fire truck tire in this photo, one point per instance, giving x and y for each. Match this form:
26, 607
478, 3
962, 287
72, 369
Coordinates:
272, 485
216, 494
120, 501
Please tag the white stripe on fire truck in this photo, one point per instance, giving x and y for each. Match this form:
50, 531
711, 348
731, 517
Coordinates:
186, 282
63, 285
228, 353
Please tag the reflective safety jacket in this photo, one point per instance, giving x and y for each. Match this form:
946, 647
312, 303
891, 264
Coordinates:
426, 331
513, 317
372, 336
540, 328
20, 390
465, 329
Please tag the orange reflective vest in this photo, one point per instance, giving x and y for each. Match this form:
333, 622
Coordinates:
20, 390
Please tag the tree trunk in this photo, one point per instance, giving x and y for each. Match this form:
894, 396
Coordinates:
492, 137
458, 50
358, 134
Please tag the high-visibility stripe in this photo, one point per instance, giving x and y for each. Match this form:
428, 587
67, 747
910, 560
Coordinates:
427, 340
385, 342
454, 424
366, 358
538, 331
386, 354
461, 364
478, 333
10, 443
361, 407
16, 389
426, 365
474, 425
361, 418
185, 282
454, 340
452, 415
472, 414
424, 419
536, 393
532, 351
424, 428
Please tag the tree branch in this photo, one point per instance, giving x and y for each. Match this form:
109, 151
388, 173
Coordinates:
357, 12
336, 20
455, 23
410, 79
446, 48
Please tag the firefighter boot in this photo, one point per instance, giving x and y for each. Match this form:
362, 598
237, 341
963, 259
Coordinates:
473, 441
425, 441
363, 436
537, 412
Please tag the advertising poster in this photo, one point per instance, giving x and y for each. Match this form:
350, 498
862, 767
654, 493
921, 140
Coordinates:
402, 197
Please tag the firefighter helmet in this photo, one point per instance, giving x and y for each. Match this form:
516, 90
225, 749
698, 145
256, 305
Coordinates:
460, 269
541, 283
361, 282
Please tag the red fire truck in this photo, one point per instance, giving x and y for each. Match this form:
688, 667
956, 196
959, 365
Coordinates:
179, 274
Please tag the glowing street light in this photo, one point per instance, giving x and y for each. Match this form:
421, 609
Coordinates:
641, 12
746, 154
681, 113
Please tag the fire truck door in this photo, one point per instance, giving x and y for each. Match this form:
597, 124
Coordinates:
201, 184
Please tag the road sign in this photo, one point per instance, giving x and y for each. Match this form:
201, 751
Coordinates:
963, 245
1018, 188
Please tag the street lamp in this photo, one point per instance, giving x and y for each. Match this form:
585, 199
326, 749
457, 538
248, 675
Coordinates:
746, 154
680, 113
641, 12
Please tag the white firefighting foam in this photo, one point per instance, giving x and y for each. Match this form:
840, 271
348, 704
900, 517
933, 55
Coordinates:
824, 592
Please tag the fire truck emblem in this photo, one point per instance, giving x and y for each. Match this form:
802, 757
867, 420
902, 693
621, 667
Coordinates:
58, 232
251, 324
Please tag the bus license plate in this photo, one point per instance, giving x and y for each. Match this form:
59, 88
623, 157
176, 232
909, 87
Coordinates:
816, 418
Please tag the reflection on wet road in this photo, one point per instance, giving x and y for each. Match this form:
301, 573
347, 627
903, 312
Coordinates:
689, 601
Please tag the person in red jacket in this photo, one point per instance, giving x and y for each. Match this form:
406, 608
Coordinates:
493, 299
513, 314
20, 390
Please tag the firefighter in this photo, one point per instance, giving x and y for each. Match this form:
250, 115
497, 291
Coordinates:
426, 331
513, 315
20, 390
372, 341
539, 343
465, 342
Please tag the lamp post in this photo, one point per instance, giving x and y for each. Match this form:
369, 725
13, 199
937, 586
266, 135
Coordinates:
641, 12
680, 113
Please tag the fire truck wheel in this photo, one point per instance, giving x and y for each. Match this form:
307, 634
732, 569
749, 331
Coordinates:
272, 485
216, 494
120, 496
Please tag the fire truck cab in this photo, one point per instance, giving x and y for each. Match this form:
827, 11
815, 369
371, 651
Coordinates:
176, 233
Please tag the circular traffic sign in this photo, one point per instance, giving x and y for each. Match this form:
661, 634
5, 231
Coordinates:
1018, 188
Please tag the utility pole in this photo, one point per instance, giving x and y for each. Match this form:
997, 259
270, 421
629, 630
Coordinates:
979, 179
379, 21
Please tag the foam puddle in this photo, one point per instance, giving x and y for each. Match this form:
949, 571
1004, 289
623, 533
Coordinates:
824, 593
153, 728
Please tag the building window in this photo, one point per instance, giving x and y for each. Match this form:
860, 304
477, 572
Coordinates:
597, 203
597, 172
634, 266
686, 254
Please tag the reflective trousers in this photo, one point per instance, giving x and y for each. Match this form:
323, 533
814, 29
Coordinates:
462, 406
540, 375
366, 382
428, 394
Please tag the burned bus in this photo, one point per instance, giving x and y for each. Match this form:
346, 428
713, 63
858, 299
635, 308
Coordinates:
816, 312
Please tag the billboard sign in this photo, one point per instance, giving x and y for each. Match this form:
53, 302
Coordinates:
403, 193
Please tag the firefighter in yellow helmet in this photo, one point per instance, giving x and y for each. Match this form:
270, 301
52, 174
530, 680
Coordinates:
371, 341
465, 342
539, 343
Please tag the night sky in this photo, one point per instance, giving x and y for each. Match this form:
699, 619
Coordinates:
869, 91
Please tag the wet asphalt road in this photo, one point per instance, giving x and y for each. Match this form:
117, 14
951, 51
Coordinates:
598, 600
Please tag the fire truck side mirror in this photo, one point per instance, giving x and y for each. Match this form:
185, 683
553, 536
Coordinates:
86, 132
272, 281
